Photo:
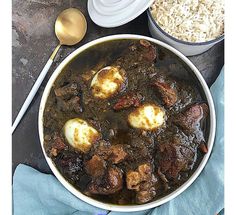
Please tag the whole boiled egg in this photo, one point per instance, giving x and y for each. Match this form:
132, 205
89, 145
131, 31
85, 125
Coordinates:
108, 81
147, 117
80, 135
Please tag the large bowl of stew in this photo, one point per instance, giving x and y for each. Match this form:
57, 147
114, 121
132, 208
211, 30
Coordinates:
126, 123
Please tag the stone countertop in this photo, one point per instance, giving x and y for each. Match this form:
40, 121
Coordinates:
33, 41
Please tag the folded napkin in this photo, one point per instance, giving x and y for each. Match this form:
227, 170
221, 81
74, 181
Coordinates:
36, 193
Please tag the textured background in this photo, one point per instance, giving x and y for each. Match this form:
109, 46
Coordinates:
33, 42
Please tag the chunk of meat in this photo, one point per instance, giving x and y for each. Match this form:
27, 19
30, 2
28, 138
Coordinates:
169, 162
145, 43
115, 177
145, 172
190, 118
67, 91
147, 195
167, 91
140, 55
129, 100
174, 157
142, 181
73, 104
133, 180
96, 166
203, 148
114, 153
118, 154
149, 51
68, 98
58, 145
109, 184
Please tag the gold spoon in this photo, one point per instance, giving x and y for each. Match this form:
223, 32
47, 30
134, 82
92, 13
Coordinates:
70, 28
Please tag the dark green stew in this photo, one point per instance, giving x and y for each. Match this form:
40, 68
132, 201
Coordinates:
146, 119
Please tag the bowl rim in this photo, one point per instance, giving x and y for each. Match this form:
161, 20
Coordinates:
218, 39
127, 208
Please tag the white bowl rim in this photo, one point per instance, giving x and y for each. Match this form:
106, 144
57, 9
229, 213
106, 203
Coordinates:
128, 208
213, 41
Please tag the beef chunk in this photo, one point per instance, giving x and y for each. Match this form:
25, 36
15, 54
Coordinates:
134, 178
203, 148
67, 91
118, 154
109, 184
75, 104
129, 100
140, 55
115, 177
58, 145
167, 92
149, 51
147, 195
72, 104
190, 118
143, 182
114, 153
95, 166
174, 156
170, 163
145, 172
68, 98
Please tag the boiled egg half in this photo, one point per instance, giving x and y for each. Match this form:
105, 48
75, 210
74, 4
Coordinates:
108, 81
147, 117
80, 135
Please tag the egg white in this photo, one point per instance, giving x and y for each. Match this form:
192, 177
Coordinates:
147, 117
107, 82
80, 135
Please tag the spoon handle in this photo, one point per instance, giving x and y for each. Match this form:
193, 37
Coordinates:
34, 89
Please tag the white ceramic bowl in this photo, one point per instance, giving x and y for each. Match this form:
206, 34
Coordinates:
187, 48
160, 201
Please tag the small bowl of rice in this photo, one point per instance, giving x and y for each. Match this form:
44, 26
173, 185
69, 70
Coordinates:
191, 26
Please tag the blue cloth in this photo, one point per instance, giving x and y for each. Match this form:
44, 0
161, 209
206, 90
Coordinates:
36, 193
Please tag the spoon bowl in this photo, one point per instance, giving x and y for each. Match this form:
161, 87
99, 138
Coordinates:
70, 26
